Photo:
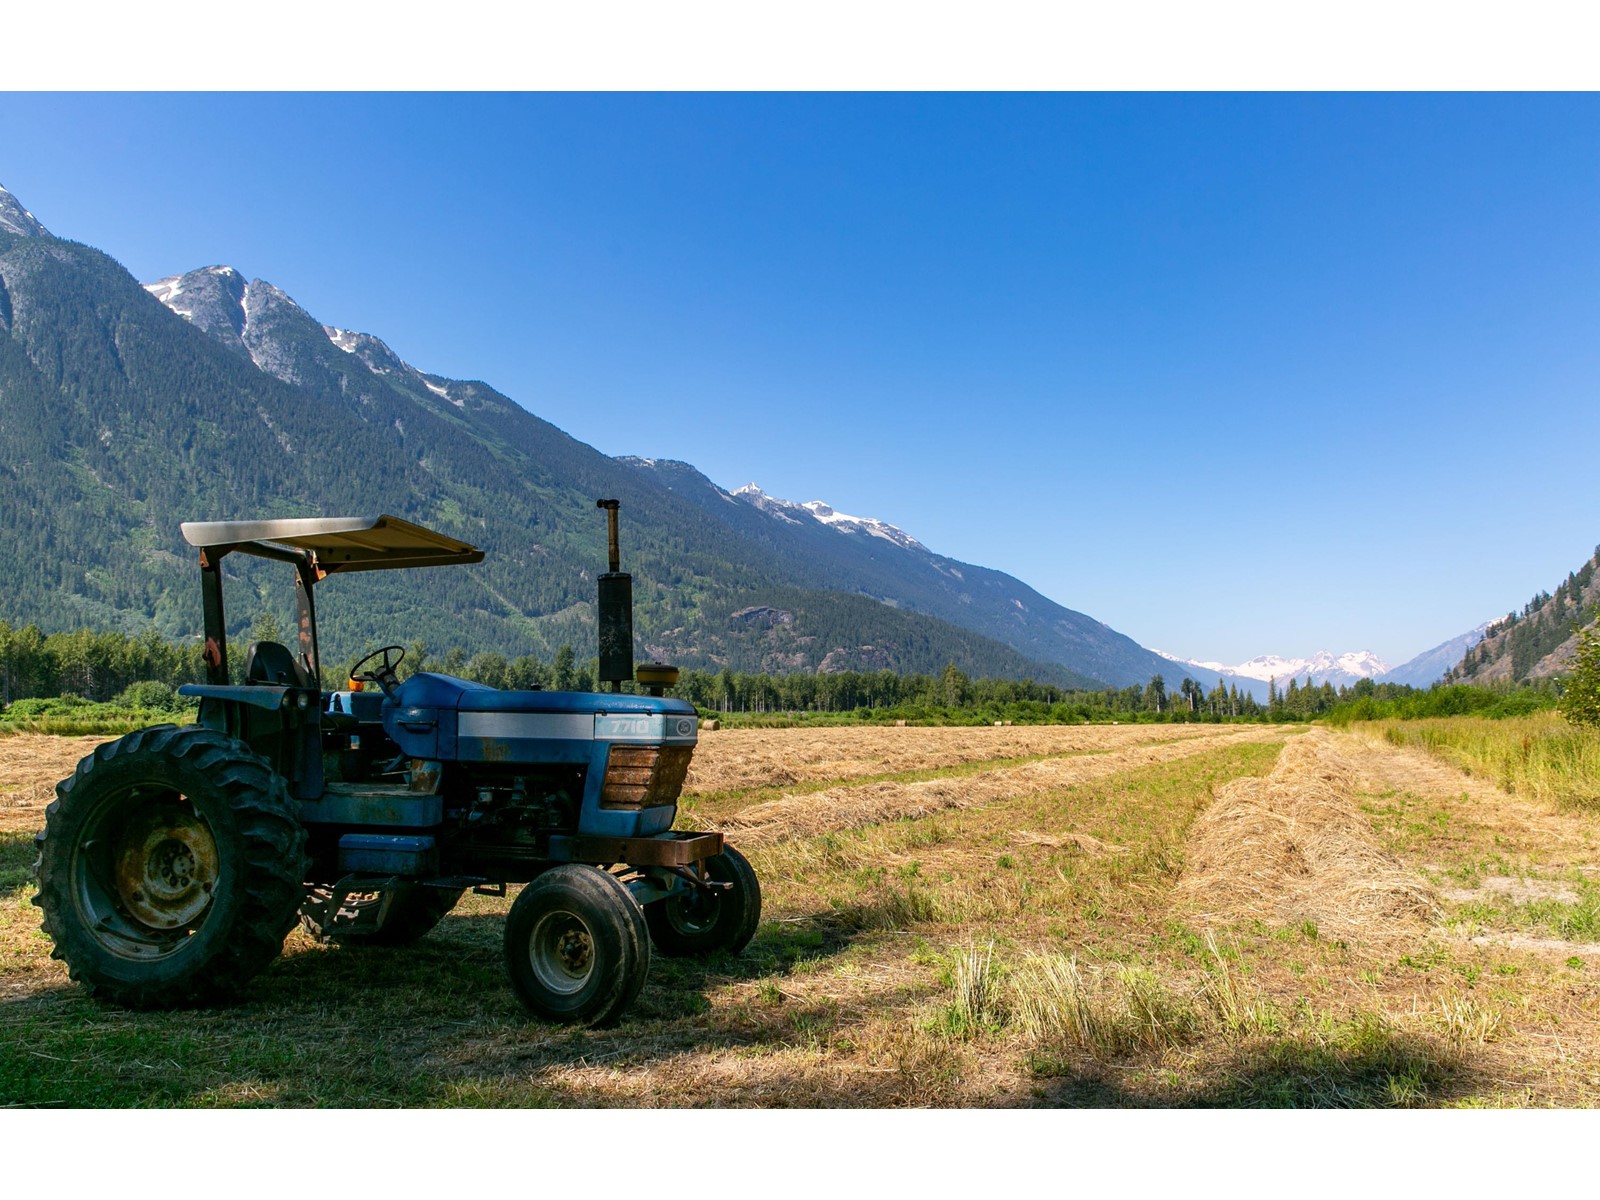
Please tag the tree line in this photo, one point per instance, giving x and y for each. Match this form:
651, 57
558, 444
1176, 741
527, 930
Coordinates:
103, 665
106, 666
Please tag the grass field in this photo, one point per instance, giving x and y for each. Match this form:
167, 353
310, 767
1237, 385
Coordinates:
1104, 916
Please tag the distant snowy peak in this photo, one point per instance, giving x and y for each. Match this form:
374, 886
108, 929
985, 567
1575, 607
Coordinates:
825, 514
848, 524
783, 510
1322, 667
18, 220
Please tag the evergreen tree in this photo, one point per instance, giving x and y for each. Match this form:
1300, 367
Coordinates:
564, 675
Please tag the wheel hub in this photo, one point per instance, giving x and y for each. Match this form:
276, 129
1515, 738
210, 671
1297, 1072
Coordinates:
166, 867
561, 952
695, 912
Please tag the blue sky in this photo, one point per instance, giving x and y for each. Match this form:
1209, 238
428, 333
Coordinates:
1233, 374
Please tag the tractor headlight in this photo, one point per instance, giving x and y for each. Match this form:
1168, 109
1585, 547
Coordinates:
642, 776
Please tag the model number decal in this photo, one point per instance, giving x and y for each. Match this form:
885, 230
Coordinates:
644, 728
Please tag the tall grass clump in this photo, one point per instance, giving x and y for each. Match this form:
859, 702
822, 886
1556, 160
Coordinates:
975, 992
1238, 1010
1541, 756
1104, 1010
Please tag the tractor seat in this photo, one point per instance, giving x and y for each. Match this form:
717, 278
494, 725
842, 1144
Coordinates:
271, 663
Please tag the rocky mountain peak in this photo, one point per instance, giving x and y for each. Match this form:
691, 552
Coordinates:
211, 299
18, 220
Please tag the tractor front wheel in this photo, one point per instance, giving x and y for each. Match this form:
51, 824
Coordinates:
576, 946
170, 867
694, 923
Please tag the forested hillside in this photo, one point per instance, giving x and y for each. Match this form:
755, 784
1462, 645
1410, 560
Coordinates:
119, 419
1540, 640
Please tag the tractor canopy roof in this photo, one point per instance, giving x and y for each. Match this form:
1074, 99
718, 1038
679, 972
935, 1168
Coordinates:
338, 543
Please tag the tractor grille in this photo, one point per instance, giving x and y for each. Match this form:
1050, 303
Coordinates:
640, 776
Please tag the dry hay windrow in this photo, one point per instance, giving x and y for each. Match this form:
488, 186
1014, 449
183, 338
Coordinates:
732, 760
1294, 846
30, 766
808, 814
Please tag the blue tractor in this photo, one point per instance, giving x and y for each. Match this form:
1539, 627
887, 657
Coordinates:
175, 860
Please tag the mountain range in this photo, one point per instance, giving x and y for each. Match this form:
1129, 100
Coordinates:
127, 408
1322, 667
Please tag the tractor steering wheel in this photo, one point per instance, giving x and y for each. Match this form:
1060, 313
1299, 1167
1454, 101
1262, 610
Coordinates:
383, 674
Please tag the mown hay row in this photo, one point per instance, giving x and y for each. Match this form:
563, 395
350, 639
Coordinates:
1294, 846
851, 807
731, 760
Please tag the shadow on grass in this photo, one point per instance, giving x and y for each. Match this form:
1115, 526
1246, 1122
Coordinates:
1364, 1065
433, 1023
17, 854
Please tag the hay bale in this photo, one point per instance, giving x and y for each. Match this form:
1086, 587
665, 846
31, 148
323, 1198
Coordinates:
711, 724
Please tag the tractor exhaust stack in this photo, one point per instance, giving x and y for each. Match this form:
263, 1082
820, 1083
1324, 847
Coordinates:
616, 609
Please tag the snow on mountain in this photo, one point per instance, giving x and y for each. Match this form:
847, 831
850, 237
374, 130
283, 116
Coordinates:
214, 299
18, 220
1323, 667
795, 514
255, 318
845, 523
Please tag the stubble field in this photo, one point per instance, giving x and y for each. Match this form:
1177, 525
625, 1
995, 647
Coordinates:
1106, 916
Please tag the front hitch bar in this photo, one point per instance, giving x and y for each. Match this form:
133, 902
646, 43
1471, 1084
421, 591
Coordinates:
708, 887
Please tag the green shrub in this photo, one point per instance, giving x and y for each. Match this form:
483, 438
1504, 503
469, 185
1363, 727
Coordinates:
149, 693
1580, 702
54, 706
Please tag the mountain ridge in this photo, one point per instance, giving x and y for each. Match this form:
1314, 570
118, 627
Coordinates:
274, 412
1539, 641
121, 418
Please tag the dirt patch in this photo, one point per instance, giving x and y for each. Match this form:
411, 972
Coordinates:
1521, 941
849, 807
30, 766
1518, 891
1294, 846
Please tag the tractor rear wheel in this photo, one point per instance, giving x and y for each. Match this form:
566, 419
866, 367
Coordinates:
576, 946
170, 867
413, 910
693, 923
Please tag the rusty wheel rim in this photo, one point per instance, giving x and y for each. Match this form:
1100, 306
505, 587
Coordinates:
146, 871
167, 868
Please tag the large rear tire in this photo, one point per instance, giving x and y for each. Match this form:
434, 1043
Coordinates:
170, 868
693, 924
576, 946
